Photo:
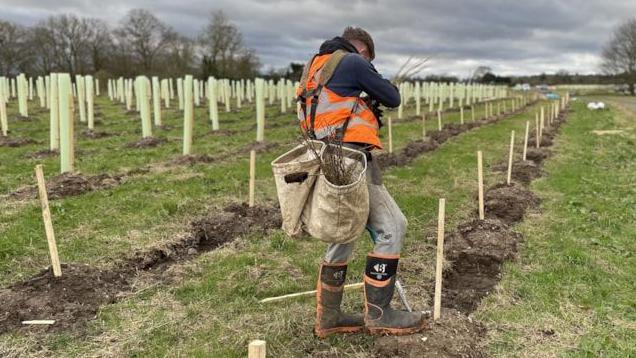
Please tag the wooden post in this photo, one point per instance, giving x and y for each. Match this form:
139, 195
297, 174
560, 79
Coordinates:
440, 260
480, 184
525, 141
390, 136
461, 115
257, 349
423, 126
472, 113
48, 225
306, 293
512, 145
252, 176
439, 120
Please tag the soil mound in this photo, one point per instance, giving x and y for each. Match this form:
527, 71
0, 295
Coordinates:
191, 160
69, 300
70, 185
259, 147
92, 134
454, 335
477, 250
41, 154
407, 154
15, 142
537, 155
148, 142
522, 171
508, 202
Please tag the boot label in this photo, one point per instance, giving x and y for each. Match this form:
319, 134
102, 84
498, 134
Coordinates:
333, 275
381, 269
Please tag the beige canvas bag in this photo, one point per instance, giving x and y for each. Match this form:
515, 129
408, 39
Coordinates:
338, 213
295, 173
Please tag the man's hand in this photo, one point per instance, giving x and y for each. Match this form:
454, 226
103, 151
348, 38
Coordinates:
374, 106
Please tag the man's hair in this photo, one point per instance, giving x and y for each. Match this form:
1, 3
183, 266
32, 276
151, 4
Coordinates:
360, 34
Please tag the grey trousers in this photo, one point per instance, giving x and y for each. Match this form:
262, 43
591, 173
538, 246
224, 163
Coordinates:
386, 223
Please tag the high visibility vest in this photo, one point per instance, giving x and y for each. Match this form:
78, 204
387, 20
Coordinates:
325, 114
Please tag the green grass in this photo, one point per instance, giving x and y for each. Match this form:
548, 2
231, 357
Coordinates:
211, 307
576, 273
99, 226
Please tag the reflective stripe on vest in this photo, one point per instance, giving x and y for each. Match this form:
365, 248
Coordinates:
332, 112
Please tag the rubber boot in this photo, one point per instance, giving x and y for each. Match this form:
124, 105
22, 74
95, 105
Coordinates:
329, 318
379, 285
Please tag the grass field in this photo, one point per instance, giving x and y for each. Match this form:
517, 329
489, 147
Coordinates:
571, 291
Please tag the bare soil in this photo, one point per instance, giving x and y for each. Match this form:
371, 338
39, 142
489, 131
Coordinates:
75, 298
69, 184
477, 250
93, 134
191, 159
522, 171
15, 142
454, 335
508, 202
69, 300
259, 147
41, 154
537, 155
148, 142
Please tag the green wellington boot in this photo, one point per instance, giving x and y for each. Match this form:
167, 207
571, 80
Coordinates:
379, 285
329, 318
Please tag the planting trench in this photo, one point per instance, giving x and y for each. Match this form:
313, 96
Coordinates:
477, 251
76, 297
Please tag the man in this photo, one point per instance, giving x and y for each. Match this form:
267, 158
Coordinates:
331, 106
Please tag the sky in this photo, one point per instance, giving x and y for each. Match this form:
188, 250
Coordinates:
512, 37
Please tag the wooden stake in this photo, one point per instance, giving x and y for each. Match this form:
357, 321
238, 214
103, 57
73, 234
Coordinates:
440, 260
525, 141
257, 349
252, 176
306, 293
439, 120
48, 225
512, 144
480, 184
461, 115
39, 322
390, 136
472, 113
423, 126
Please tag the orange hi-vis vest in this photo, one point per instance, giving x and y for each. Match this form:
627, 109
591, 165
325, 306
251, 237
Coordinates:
324, 114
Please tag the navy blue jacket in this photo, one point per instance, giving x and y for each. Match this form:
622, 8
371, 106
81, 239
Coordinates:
355, 74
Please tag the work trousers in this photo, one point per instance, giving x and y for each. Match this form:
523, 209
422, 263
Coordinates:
386, 223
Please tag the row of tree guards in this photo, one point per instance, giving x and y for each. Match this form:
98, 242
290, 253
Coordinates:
58, 93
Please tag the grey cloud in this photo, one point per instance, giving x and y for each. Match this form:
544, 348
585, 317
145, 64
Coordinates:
513, 37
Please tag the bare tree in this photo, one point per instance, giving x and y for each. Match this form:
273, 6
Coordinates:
14, 55
224, 54
100, 44
145, 36
619, 55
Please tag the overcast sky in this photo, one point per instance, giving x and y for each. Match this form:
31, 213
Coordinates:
512, 37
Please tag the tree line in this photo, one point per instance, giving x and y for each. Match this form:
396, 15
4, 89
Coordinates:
141, 44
